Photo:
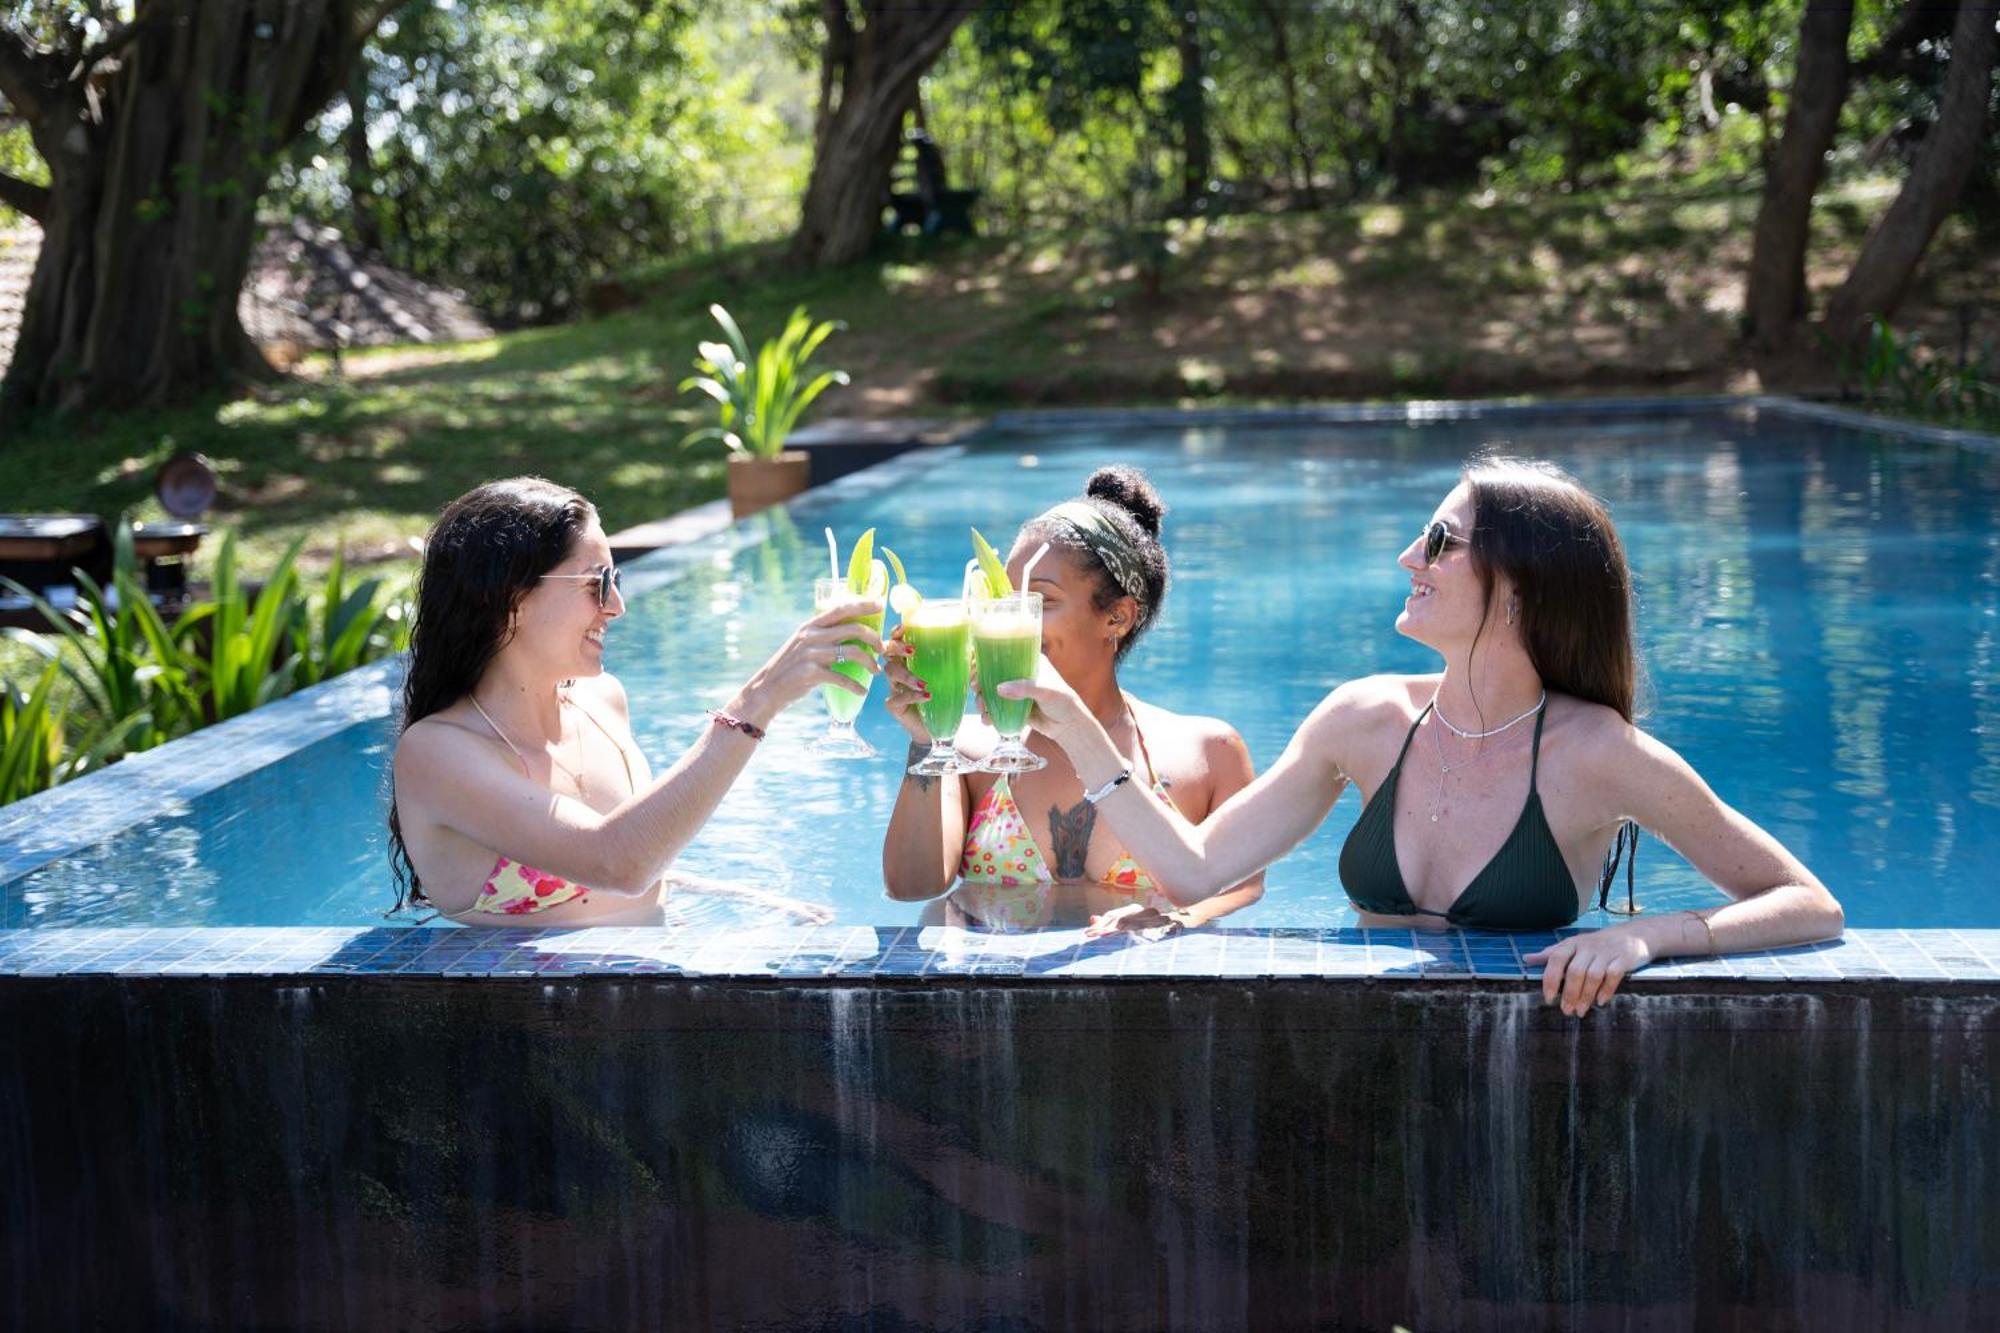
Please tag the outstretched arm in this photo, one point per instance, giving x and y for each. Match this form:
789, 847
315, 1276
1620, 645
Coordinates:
625, 850
1248, 832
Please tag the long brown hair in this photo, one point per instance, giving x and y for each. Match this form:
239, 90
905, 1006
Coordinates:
1535, 524
485, 553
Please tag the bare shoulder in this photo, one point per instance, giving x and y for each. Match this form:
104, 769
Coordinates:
1610, 753
1215, 743
441, 744
1367, 702
604, 691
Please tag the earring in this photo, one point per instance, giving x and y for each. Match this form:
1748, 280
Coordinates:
1510, 612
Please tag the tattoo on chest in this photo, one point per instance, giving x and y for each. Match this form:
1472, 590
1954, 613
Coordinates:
1069, 839
918, 750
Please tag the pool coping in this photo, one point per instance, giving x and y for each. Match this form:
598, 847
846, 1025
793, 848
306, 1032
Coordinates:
159, 782
850, 954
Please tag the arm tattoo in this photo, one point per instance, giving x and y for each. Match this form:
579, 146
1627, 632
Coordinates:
1069, 838
918, 749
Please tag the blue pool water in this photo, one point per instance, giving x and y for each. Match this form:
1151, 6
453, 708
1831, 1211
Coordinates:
1819, 612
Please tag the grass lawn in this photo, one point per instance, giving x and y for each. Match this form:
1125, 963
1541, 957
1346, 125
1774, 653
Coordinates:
1586, 293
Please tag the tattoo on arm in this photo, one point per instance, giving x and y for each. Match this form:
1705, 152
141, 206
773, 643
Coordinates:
1069, 839
918, 749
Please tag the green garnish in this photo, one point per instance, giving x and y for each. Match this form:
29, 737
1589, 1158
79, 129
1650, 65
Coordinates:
997, 582
861, 564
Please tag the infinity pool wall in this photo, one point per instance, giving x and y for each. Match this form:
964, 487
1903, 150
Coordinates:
908, 1150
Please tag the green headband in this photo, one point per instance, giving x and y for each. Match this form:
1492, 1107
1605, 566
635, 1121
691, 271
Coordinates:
1107, 541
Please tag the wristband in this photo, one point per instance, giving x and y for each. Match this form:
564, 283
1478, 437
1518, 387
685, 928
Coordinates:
750, 729
1124, 776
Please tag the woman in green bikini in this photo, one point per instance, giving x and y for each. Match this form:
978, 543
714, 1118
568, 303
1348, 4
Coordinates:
1501, 789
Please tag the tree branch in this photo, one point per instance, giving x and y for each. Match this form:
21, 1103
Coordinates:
26, 76
24, 196
120, 37
1921, 22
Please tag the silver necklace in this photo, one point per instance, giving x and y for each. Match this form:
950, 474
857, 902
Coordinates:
1465, 735
1444, 769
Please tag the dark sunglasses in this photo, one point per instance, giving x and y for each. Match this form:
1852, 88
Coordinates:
1437, 537
606, 580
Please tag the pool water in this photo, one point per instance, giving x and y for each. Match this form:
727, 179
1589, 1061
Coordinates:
1819, 612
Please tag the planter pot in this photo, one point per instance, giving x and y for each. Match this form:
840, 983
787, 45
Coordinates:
759, 483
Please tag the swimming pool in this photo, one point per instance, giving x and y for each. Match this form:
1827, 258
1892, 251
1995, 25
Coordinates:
1819, 613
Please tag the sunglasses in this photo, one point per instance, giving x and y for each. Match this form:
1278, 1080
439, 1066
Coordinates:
606, 580
1437, 537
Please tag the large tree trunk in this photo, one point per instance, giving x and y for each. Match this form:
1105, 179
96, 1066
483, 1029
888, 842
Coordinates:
157, 163
1888, 260
1775, 299
868, 81
361, 163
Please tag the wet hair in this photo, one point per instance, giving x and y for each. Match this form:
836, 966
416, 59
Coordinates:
1536, 525
1129, 502
486, 552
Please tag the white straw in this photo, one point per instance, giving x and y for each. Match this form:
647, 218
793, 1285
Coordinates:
1028, 570
832, 555
965, 583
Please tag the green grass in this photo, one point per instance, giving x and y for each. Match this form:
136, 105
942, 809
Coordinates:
1445, 295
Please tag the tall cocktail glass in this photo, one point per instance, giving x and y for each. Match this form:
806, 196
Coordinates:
1007, 644
840, 740
940, 637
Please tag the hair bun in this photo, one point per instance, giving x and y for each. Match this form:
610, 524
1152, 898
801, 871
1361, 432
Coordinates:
1128, 488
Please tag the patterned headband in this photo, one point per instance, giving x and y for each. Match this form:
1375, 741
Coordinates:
1107, 541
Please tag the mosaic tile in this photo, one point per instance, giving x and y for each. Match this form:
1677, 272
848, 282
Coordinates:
901, 952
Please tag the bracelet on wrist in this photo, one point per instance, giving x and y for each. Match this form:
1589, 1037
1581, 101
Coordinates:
1124, 776
750, 729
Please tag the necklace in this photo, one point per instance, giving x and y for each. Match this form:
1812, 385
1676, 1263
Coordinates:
574, 774
1465, 735
1444, 769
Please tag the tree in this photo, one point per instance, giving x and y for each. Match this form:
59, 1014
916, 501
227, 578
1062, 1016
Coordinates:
159, 134
875, 53
1775, 298
1777, 301
1881, 275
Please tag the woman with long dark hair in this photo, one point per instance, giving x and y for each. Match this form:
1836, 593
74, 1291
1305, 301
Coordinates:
519, 795
1024, 850
1501, 789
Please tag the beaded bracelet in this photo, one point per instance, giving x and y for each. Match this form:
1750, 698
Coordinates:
750, 729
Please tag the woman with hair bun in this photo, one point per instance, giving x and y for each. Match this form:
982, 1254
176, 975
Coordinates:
1026, 850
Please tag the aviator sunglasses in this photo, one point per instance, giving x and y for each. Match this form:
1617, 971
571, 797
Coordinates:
1437, 537
606, 580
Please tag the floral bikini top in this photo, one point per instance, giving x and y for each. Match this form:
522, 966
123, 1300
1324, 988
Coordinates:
514, 889
1004, 880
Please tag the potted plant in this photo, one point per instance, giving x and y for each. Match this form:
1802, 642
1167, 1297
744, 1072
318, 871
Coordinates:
758, 401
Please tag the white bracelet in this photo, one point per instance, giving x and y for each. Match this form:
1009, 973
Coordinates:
1124, 776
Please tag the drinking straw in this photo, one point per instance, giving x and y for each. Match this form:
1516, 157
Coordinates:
1028, 570
832, 555
965, 583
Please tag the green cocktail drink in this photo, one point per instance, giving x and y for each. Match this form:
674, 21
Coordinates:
942, 639
840, 739
1007, 641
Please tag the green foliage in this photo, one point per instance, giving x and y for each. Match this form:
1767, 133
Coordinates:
134, 681
1902, 373
523, 149
758, 400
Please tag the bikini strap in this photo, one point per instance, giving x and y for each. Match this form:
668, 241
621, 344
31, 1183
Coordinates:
1535, 756
1411, 735
616, 744
504, 737
1152, 774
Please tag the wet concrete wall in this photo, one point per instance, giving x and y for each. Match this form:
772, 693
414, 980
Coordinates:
602, 1152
